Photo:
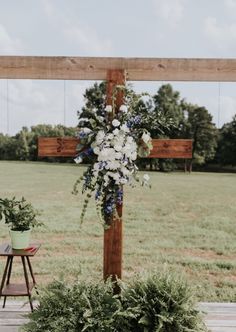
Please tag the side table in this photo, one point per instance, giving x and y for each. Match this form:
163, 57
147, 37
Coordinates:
10, 289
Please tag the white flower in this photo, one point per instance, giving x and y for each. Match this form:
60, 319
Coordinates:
106, 179
116, 176
96, 150
124, 108
118, 155
96, 167
125, 171
116, 123
134, 156
78, 160
100, 136
146, 137
113, 165
124, 128
118, 147
86, 130
108, 109
130, 139
123, 181
110, 136
116, 131
146, 177
105, 154
83, 120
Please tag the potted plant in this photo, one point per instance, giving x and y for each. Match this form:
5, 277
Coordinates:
20, 216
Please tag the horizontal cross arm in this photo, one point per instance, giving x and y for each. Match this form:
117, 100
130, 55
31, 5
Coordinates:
162, 148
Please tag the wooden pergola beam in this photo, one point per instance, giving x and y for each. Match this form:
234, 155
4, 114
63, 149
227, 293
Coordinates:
137, 69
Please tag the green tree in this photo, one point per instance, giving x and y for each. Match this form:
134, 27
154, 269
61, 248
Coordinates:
95, 98
24, 145
167, 101
169, 104
199, 127
227, 143
8, 146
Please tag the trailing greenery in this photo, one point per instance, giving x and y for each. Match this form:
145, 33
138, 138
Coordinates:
19, 215
159, 303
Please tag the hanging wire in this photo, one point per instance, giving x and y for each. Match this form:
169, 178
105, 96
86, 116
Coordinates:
219, 103
8, 115
64, 114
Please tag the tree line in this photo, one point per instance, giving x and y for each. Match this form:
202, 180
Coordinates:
190, 121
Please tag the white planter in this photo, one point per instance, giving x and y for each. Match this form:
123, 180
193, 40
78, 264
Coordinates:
20, 240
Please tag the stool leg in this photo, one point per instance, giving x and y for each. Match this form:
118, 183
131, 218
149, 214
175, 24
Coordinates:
4, 279
4, 301
31, 270
9, 270
27, 282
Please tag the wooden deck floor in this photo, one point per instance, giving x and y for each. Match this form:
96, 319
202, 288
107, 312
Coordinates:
219, 317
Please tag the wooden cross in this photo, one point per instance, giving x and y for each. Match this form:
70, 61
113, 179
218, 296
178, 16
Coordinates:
162, 148
97, 68
137, 69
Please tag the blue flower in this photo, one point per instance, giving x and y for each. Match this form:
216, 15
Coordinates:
119, 197
88, 152
97, 195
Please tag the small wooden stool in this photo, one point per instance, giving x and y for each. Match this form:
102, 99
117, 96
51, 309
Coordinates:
10, 289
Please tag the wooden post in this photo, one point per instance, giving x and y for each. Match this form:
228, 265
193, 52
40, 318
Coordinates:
113, 236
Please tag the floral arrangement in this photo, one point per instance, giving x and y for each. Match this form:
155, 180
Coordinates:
112, 139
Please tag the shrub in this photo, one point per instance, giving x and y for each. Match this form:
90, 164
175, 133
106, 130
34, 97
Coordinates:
81, 307
160, 303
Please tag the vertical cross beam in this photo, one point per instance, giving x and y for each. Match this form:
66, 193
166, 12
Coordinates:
113, 237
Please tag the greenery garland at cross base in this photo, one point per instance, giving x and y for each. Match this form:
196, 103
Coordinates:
112, 140
159, 303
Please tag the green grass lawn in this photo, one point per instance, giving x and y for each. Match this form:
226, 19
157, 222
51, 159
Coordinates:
185, 222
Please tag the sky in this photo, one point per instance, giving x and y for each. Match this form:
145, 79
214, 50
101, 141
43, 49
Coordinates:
124, 28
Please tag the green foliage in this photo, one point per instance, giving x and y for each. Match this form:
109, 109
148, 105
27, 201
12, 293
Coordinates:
18, 214
227, 144
161, 303
199, 127
8, 146
95, 97
168, 103
82, 307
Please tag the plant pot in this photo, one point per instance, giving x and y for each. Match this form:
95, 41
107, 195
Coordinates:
20, 240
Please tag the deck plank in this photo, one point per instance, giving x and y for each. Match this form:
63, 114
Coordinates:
219, 317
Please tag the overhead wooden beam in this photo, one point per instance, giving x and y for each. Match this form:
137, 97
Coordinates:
162, 148
137, 69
